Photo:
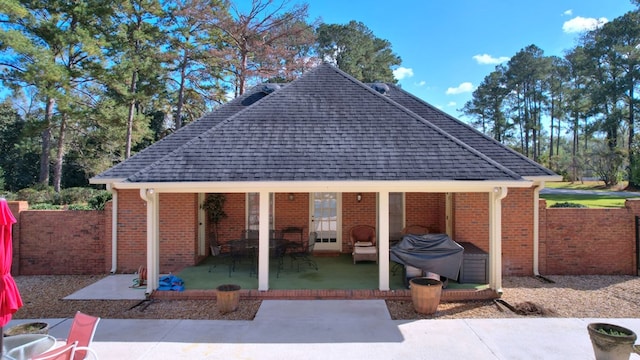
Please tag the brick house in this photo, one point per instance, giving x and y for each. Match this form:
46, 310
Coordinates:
288, 155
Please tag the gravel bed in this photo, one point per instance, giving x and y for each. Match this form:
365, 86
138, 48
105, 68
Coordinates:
567, 296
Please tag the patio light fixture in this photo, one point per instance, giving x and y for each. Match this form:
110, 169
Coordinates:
359, 197
291, 197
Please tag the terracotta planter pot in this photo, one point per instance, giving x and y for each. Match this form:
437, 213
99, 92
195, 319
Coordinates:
227, 298
617, 346
425, 294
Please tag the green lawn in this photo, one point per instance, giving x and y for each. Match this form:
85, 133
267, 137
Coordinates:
586, 185
592, 201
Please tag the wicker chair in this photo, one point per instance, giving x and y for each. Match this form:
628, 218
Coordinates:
415, 230
363, 243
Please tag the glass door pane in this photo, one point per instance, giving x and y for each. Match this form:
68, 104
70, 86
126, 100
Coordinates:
324, 220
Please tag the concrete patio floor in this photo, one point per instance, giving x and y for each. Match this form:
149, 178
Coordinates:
344, 329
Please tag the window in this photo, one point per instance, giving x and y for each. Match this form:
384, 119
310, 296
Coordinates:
253, 211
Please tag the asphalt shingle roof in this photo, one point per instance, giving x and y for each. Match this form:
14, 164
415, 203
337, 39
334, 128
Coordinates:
172, 142
325, 126
472, 137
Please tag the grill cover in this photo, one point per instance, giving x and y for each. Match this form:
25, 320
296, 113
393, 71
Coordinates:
436, 253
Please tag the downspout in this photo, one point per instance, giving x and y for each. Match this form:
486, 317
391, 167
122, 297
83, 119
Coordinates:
536, 227
114, 228
151, 198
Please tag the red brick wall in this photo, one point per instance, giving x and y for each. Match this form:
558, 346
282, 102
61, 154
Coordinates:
232, 226
588, 241
517, 232
572, 241
178, 231
471, 224
61, 242
357, 213
426, 209
132, 231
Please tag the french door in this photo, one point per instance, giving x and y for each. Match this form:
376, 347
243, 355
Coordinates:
324, 219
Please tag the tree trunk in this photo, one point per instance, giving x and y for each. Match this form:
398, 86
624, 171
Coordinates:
634, 182
180, 95
57, 170
132, 109
46, 143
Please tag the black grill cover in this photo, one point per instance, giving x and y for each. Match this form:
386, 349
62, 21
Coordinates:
436, 253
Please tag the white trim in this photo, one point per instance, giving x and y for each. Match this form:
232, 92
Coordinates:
326, 186
263, 243
114, 228
536, 227
495, 238
151, 197
383, 241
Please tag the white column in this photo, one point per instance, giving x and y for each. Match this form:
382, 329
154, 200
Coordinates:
202, 219
495, 238
114, 228
383, 241
153, 240
263, 247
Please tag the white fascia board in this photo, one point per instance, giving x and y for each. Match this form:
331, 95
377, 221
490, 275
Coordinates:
95, 181
325, 186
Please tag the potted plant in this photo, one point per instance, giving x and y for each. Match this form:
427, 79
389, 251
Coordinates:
425, 294
612, 342
214, 206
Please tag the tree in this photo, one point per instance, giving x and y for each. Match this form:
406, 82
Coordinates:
557, 84
526, 73
262, 41
19, 149
487, 104
135, 75
193, 72
355, 50
61, 39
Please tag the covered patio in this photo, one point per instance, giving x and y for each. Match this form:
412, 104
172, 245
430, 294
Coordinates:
336, 278
325, 133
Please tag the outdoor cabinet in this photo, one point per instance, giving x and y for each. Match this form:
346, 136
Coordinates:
475, 265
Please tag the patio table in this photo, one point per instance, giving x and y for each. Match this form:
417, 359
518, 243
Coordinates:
26, 346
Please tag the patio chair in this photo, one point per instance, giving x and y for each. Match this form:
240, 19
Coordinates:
303, 255
65, 352
415, 230
83, 328
363, 243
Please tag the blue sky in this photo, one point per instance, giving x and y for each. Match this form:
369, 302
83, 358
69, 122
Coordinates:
448, 47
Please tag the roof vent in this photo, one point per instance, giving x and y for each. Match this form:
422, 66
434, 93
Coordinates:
269, 88
382, 88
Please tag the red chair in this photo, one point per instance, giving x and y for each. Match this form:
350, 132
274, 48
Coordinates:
65, 352
83, 328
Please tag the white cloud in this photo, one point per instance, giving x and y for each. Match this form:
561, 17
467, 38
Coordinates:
488, 59
452, 104
579, 24
421, 83
402, 72
568, 12
462, 88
